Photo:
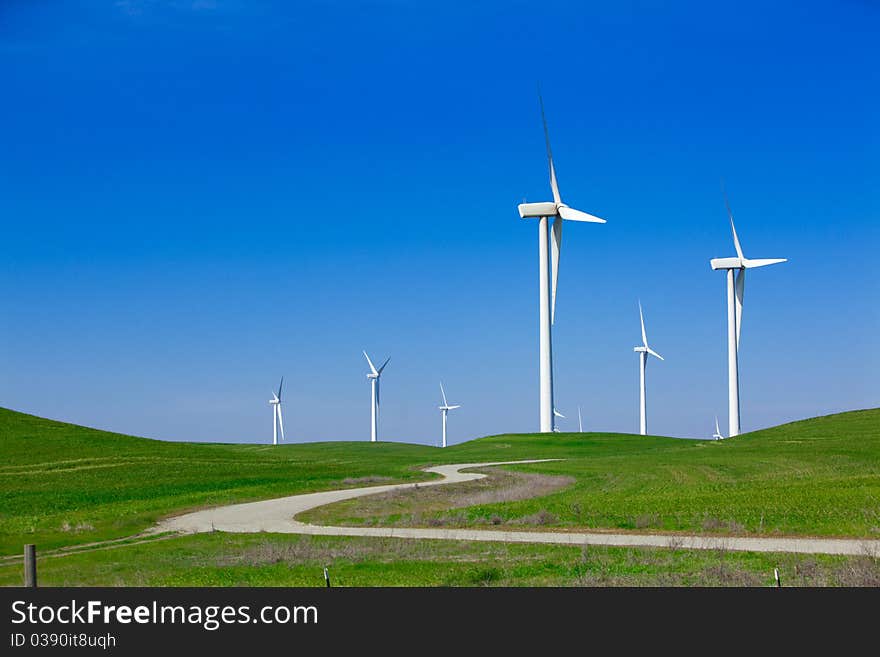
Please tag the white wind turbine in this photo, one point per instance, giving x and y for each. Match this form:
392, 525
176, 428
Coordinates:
556, 414
548, 273
277, 420
374, 375
444, 410
735, 291
643, 352
717, 435
580, 421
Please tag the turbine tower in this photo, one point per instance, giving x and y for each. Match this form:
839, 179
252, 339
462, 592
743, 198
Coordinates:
277, 421
444, 410
735, 291
717, 435
548, 273
374, 375
643, 352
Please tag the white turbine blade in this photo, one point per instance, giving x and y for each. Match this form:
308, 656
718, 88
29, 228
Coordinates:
739, 251
580, 421
654, 353
372, 367
280, 385
554, 186
383, 365
443, 393
558, 414
576, 215
280, 420
642, 320
275, 398
740, 293
449, 408
762, 262
377, 394
555, 250
717, 428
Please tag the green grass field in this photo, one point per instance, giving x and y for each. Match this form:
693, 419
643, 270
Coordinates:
67, 485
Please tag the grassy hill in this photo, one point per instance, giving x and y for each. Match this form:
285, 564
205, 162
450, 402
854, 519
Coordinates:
64, 484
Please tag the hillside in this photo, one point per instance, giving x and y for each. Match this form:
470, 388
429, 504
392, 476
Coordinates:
65, 484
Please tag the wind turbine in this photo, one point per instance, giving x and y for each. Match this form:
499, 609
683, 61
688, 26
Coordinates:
444, 410
735, 291
556, 414
717, 435
548, 273
277, 421
374, 375
580, 421
643, 352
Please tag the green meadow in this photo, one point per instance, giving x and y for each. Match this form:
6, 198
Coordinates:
66, 485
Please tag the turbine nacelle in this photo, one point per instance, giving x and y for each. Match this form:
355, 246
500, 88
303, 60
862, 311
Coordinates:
550, 209
744, 263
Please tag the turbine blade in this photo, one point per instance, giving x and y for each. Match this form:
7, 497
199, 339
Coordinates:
576, 215
580, 421
377, 395
558, 414
654, 353
642, 320
372, 367
280, 420
280, 385
453, 407
739, 251
443, 393
740, 293
762, 262
555, 250
383, 365
717, 428
554, 186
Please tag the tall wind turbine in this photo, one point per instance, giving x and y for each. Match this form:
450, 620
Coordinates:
735, 291
277, 421
444, 410
548, 273
717, 435
643, 352
374, 375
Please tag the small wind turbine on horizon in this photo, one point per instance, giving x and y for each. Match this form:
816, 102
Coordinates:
643, 352
556, 414
735, 293
717, 435
374, 375
444, 411
548, 274
277, 420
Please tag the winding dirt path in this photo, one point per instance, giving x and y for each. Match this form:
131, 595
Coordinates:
278, 516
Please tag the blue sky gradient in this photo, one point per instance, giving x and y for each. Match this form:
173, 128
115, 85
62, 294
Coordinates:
198, 197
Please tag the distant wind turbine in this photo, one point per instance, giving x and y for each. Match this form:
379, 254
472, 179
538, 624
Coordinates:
444, 410
374, 375
717, 435
548, 273
277, 420
643, 352
735, 292
556, 414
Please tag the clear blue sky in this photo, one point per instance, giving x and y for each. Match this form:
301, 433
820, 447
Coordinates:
198, 197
